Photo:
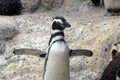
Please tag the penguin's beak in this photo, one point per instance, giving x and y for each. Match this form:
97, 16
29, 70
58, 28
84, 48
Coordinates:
66, 24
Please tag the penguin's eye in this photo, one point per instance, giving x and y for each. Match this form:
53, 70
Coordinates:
59, 23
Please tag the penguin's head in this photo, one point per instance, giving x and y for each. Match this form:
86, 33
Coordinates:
60, 23
116, 49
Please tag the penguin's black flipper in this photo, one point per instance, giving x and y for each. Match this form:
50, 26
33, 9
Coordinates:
25, 51
81, 52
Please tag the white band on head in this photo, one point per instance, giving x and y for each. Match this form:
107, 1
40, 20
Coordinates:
116, 47
57, 20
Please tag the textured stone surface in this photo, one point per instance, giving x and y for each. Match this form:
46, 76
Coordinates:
2, 47
21, 68
50, 4
7, 31
98, 38
31, 5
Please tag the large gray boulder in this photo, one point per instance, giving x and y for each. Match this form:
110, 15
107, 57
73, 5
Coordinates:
30, 5
7, 32
50, 4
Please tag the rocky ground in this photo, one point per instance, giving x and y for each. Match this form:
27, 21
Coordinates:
90, 30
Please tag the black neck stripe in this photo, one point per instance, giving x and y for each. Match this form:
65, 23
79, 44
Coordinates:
56, 34
62, 40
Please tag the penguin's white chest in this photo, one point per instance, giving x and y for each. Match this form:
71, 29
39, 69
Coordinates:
57, 67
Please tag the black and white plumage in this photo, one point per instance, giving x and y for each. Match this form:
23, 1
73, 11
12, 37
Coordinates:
112, 7
112, 71
57, 59
10, 7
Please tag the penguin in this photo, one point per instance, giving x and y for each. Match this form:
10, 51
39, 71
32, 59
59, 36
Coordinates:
112, 7
112, 71
56, 65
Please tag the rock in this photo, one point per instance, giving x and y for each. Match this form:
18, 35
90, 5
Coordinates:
10, 7
31, 5
7, 32
98, 38
21, 67
2, 47
49, 4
